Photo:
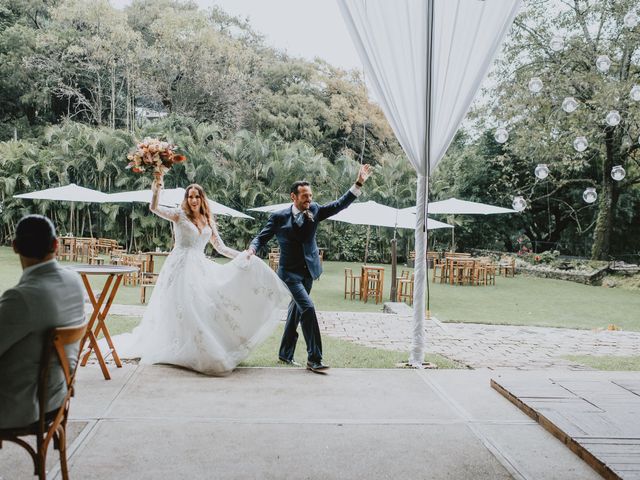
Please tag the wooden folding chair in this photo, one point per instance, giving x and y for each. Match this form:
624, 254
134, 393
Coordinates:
50, 425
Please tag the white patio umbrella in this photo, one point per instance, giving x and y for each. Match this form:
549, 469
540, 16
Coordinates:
376, 214
455, 206
425, 61
68, 193
271, 208
172, 197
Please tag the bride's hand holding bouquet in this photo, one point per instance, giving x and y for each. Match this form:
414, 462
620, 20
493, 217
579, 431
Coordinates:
155, 155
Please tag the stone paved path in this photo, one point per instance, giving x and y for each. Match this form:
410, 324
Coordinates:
475, 345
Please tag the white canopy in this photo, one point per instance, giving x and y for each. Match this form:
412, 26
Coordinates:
373, 213
171, 197
425, 60
456, 206
67, 193
271, 208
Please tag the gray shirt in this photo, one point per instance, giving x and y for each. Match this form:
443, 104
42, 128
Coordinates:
47, 296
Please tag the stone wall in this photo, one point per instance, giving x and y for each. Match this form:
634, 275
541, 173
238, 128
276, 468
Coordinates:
590, 277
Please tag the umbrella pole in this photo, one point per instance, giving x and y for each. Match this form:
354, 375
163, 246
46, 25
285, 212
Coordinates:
453, 233
366, 245
394, 268
71, 219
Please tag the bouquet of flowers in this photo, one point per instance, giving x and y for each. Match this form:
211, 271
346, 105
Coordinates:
152, 153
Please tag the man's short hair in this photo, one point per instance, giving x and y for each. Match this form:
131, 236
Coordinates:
299, 183
35, 235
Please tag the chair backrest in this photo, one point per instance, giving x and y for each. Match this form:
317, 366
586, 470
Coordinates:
55, 342
348, 272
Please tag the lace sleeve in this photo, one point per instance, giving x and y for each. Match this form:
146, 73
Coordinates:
171, 214
218, 244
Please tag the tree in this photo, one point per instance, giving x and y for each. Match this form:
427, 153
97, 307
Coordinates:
541, 131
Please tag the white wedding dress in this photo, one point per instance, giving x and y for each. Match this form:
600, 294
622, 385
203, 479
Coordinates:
202, 315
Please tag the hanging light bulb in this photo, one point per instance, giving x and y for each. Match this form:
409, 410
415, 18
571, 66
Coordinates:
635, 93
580, 144
519, 204
569, 104
557, 43
535, 85
618, 173
589, 195
630, 19
626, 142
541, 171
603, 63
501, 135
613, 118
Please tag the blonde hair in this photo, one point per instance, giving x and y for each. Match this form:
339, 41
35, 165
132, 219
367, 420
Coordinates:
204, 204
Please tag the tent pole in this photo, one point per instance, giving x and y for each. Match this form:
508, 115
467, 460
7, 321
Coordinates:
416, 357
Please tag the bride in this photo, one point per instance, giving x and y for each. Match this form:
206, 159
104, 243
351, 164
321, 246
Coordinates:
203, 315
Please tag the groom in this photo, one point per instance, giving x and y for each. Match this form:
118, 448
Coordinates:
295, 228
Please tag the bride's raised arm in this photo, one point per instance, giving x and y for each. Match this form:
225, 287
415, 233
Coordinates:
170, 214
218, 244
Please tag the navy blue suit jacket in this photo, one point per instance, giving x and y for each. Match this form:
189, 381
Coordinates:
298, 249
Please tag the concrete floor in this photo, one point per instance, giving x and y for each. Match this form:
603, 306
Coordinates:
157, 422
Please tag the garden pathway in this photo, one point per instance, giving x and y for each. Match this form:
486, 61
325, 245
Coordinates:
474, 345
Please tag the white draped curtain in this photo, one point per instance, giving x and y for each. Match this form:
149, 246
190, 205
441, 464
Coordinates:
425, 60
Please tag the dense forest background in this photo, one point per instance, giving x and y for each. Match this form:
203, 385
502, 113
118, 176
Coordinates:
81, 81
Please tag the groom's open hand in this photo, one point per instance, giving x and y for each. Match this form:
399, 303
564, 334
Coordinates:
365, 172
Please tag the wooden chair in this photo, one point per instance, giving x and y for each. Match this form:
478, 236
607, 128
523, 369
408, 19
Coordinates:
50, 425
133, 261
507, 266
67, 249
405, 289
461, 271
147, 279
440, 271
85, 250
116, 254
490, 273
351, 284
433, 258
373, 287
274, 261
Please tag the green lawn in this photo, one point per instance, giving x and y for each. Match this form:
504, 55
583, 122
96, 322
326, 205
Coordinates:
338, 353
512, 301
607, 363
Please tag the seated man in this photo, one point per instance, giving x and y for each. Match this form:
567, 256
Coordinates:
47, 296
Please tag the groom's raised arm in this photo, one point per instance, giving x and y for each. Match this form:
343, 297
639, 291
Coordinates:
266, 234
330, 209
